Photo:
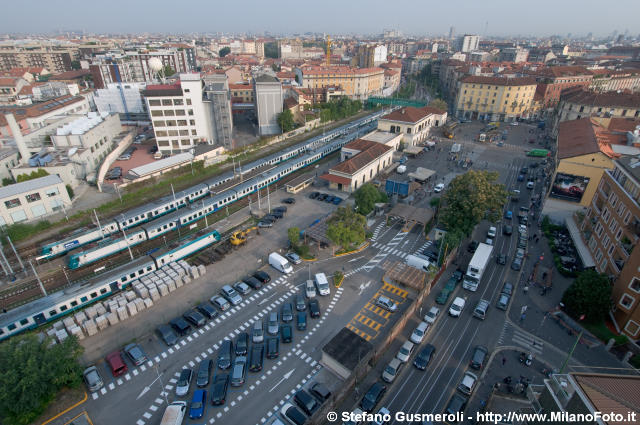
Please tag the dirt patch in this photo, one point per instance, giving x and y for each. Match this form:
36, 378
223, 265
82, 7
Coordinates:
63, 400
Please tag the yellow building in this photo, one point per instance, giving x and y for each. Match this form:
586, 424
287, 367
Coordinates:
495, 98
356, 83
584, 153
242, 93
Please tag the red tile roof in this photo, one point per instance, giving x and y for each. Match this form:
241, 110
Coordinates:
336, 179
411, 114
562, 71
37, 109
9, 81
369, 151
584, 136
623, 124
617, 394
498, 81
290, 102
583, 97
70, 75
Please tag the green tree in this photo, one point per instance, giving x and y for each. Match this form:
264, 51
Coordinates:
69, 191
224, 52
588, 295
6, 181
40, 172
346, 228
32, 372
75, 65
438, 103
168, 71
285, 120
434, 202
367, 196
271, 49
294, 235
470, 198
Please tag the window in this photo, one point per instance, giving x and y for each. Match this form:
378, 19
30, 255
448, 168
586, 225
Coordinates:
610, 251
624, 112
168, 113
154, 102
188, 101
187, 90
619, 234
182, 122
156, 113
158, 123
171, 123
161, 133
178, 102
179, 112
635, 285
632, 328
167, 102
38, 210
627, 301
190, 111
193, 122
12, 203
408, 130
52, 192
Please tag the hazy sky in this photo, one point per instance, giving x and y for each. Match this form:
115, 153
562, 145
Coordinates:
504, 17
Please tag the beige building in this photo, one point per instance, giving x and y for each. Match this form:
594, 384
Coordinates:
413, 123
495, 98
32, 199
355, 82
52, 60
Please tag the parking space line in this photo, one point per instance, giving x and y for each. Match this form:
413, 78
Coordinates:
153, 408
94, 395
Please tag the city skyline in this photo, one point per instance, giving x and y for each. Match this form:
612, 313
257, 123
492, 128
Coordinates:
502, 18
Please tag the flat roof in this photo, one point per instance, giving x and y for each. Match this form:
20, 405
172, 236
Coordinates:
29, 185
381, 136
161, 164
348, 348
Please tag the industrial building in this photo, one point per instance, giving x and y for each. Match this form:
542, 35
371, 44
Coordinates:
32, 199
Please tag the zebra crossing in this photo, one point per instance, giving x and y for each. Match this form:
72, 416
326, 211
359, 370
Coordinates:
377, 230
530, 342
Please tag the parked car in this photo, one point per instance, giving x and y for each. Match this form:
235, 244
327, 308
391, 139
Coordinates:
293, 257
306, 402
252, 282
438, 188
195, 318
405, 351
231, 295
503, 301
478, 357
153, 149
286, 333
320, 391
468, 383
263, 224
443, 296
180, 326
314, 308
386, 303
292, 414
391, 371
501, 259
491, 233
272, 323
372, 397
516, 264
220, 302
242, 344
262, 277
198, 402
219, 389
92, 378
431, 315
336, 200
289, 200
301, 305
184, 382
116, 364
273, 347
257, 353
207, 310
419, 332
456, 404
287, 312
424, 357
314, 195
242, 288
224, 354
301, 320
239, 371
135, 354
204, 372
507, 229
507, 288
310, 289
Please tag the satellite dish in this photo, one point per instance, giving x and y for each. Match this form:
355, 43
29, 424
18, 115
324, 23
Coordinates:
155, 64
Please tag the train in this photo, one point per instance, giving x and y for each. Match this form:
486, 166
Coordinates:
61, 303
172, 203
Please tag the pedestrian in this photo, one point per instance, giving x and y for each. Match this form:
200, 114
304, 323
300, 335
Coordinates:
522, 317
526, 289
504, 360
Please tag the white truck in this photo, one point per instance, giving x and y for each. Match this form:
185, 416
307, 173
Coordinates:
174, 413
477, 267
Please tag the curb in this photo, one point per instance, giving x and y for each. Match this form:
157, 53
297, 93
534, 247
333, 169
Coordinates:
67, 409
362, 248
339, 284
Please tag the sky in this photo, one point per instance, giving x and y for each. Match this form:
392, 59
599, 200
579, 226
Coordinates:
411, 17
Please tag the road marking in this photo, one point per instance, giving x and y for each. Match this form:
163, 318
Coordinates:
164, 355
183, 342
197, 359
112, 386
103, 390
147, 415
140, 422
189, 338
173, 380
192, 364
153, 407
119, 382
94, 395
143, 367
135, 372
158, 400
170, 350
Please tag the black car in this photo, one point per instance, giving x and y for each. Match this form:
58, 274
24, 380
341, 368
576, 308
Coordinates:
501, 259
507, 229
300, 304
271, 217
195, 318
224, 354
253, 282
524, 170
314, 195
207, 310
287, 333
507, 288
167, 334
180, 326
456, 404
273, 348
153, 149
314, 308
289, 201
287, 312
478, 357
372, 397
306, 402
322, 197
278, 214
301, 320
281, 208
204, 373
472, 246
433, 256
257, 353
219, 389
262, 277
320, 391
424, 357
328, 199
242, 344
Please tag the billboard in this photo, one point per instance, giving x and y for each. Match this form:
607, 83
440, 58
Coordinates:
569, 187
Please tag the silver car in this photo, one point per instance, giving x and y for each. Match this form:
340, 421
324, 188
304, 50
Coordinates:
220, 302
272, 324
310, 289
231, 295
92, 378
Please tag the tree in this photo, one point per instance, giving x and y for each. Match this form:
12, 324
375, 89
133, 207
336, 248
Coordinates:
33, 175
285, 120
367, 196
438, 103
69, 191
75, 65
588, 295
294, 235
32, 372
168, 71
434, 202
6, 181
224, 52
470, 198
346, 228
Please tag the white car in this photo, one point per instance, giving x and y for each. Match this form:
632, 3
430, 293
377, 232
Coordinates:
468, 383
491, 233
514, 123
432, 315
405, 351
457, 306
439, 187
418, 334
310, 289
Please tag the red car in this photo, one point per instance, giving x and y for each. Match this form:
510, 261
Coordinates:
116, 363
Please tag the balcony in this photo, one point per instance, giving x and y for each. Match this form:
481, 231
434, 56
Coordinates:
634, 228
627, 245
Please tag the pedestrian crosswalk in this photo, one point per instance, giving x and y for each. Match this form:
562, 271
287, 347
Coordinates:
377, 230
529, 342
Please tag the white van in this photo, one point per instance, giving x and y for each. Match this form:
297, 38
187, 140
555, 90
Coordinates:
280, 263
419, 263
174, 413
322, 284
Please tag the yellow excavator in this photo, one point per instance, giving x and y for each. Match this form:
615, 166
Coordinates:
240, 237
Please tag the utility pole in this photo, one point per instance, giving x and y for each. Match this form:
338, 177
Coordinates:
206, 223
5, 260
259, 207
575, 344
174, 194
98, 220
268, 200
126, 240
38, 278
15, 252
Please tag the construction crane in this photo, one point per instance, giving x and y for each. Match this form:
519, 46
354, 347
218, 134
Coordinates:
328, 51
240, 237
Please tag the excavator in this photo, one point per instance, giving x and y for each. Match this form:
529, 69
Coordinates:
240, 237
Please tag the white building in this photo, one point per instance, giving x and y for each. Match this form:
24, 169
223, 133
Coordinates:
32, 199
269, 100
380, 55
413, 123
467, 43
53, 89
123, 98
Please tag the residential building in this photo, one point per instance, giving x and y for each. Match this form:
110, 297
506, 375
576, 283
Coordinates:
554, 79
32, 200
290, 49
362, 160
512, 54
467, 43
369, 56
123, 98
541, 55
606, 80
357, 83
413, 123
42, 92
217, 100
54, 61
269, 100
179, 116
391, 80
10, 88
242, 93
495, 98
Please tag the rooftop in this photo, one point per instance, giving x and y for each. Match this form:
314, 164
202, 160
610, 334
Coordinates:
70, 75
28, 186
608, 99
82, 124
411, 114
37, 109
152, 167
347, 348
369, 151
500, 81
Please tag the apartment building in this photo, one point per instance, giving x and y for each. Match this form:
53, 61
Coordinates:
269, 99
606, 80
467, 43
369, 56
54, 61
217, 99
511, 54
242, 93
611, 230
495, 98
357, 83
554, 79
32, 200
10, 87
413, 123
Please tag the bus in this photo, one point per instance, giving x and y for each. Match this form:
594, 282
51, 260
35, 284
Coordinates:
540, 153
477, 267
450, 130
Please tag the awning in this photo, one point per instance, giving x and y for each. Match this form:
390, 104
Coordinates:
413, 150
421, 174
583, 251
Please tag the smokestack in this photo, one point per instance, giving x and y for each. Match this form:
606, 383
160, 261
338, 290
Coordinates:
17, 135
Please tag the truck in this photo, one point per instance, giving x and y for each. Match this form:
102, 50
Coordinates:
174, 413
477, 267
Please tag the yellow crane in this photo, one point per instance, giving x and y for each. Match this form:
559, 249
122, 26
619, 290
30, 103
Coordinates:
328, 51
240, 237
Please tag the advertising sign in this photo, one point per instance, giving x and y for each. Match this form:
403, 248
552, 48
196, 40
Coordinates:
569, 187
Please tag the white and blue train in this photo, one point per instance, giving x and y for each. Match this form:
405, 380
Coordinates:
168, 204
58, 304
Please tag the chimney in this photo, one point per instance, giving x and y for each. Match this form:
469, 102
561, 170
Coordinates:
17, 135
